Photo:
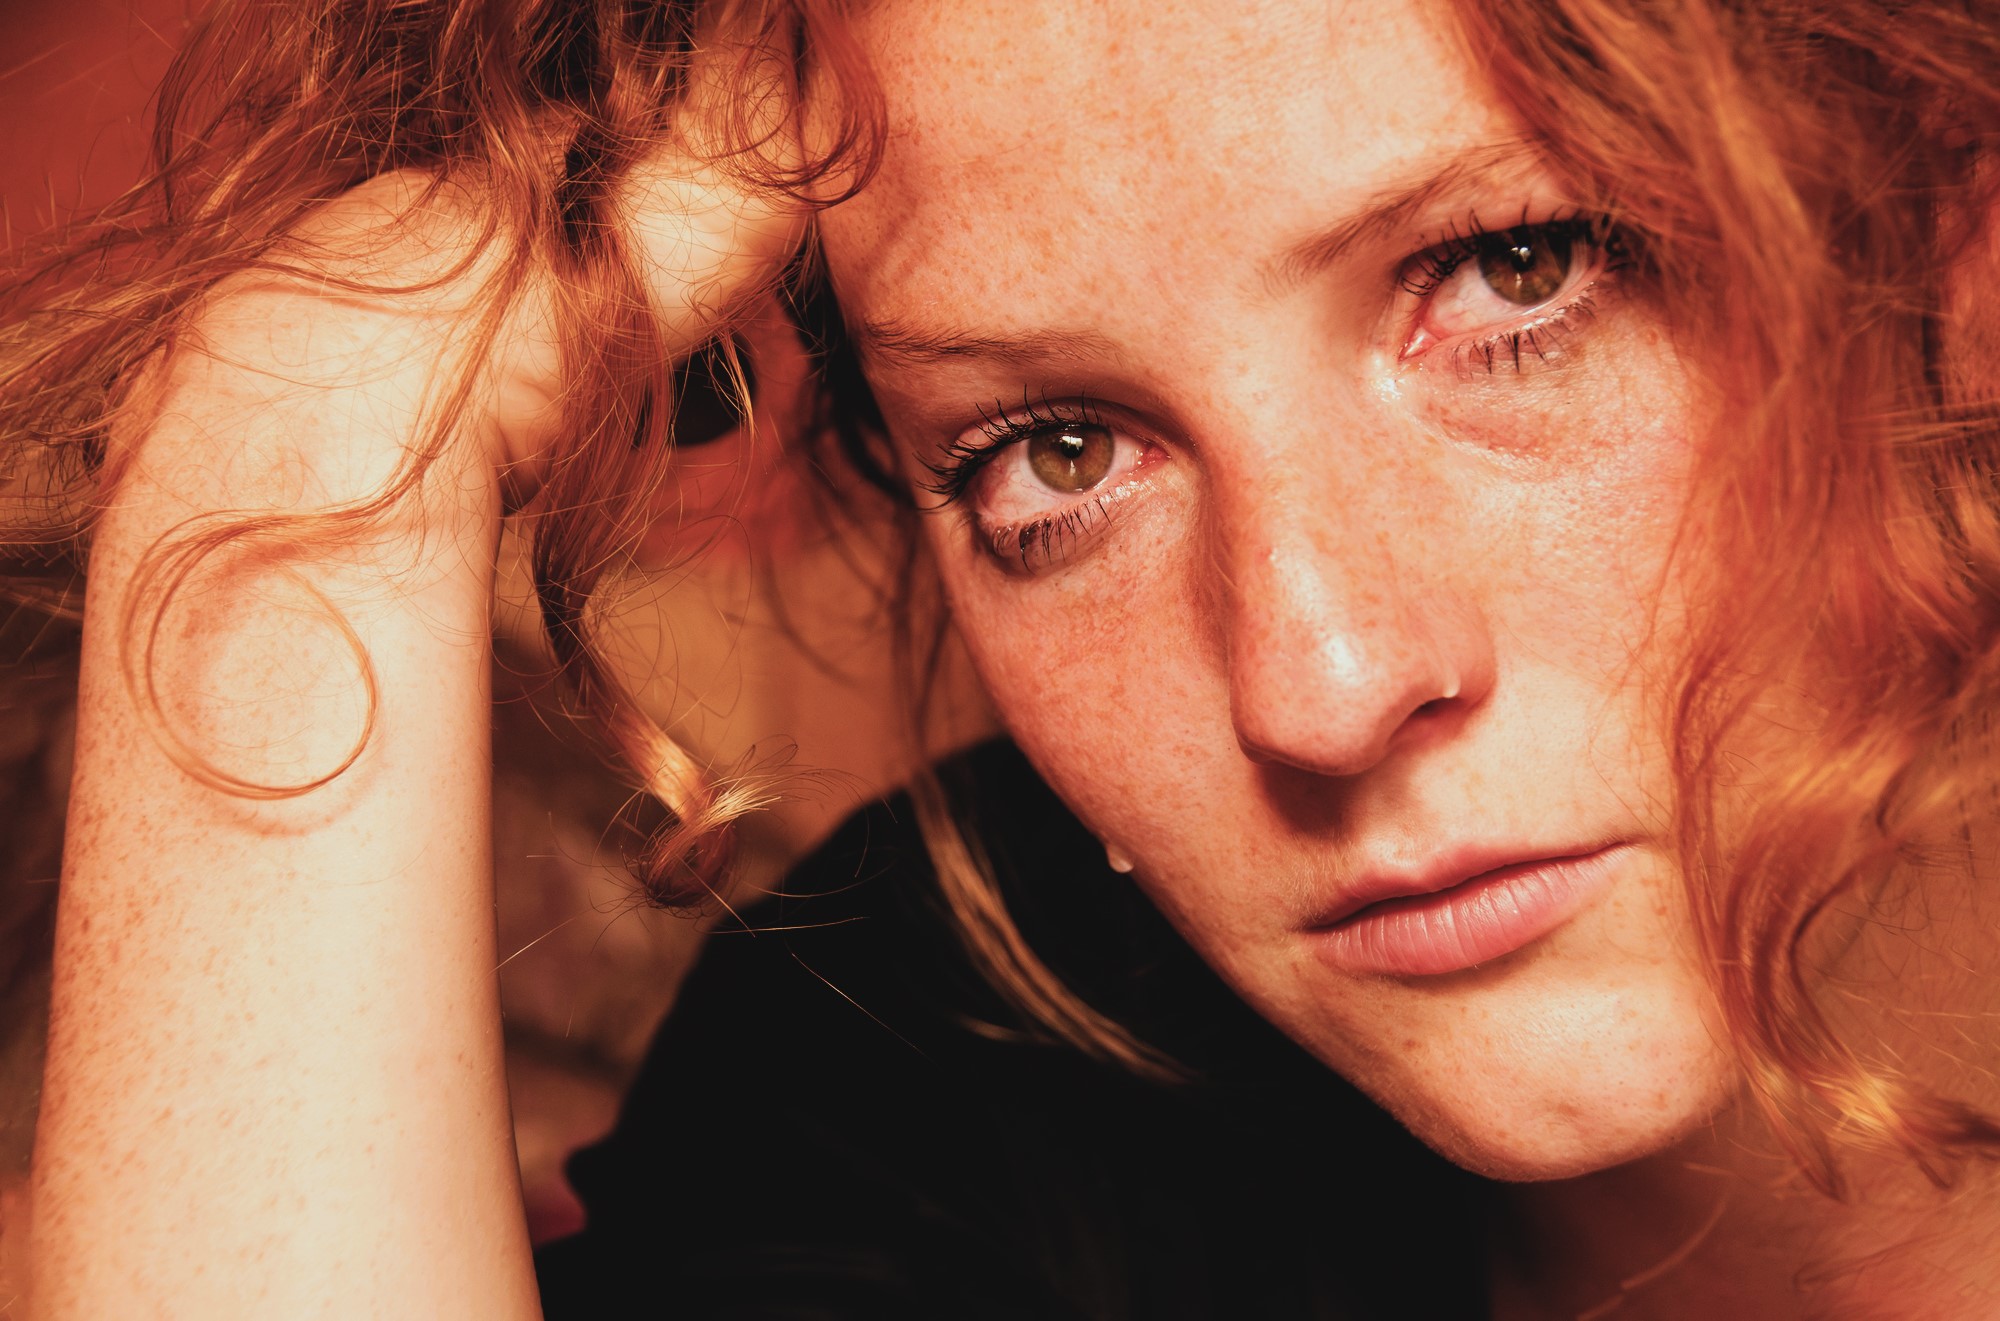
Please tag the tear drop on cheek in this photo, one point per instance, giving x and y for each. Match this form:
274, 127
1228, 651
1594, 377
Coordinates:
1116, 860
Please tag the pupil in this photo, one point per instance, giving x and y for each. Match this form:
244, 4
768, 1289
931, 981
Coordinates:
1073, 458
1525, 266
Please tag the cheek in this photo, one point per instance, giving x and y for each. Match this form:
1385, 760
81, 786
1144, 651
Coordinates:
1581, 482
1105, 673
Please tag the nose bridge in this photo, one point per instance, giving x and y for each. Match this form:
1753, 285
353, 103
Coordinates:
1342, 631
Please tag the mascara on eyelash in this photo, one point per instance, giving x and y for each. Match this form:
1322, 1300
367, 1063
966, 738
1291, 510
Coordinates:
961, 461
1423, 273
1541, 339
1043, 538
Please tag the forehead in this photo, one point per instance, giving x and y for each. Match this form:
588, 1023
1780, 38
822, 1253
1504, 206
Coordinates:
1088, 139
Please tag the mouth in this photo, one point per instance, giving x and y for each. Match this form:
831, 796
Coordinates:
1418, 929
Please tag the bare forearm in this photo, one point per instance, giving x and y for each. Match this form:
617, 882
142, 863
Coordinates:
275, 1082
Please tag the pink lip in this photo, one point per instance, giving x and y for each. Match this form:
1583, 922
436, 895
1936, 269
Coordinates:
1459, 917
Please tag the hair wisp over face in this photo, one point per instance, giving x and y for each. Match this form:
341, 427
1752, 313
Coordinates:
1805, 174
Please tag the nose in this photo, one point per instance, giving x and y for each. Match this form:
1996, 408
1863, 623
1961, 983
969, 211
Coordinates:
1346, 638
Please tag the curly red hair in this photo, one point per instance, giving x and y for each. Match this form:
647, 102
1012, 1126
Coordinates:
1805, 176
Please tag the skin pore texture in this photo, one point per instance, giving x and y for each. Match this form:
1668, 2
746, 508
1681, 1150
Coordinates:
1375, 592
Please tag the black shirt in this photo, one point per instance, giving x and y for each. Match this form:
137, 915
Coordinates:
824, 1129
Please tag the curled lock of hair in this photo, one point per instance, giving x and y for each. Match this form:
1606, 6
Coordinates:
537, 108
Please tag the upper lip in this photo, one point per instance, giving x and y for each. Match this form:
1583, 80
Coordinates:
1441, 871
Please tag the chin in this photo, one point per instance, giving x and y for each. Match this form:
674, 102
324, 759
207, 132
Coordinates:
1525, 1096
1562, 1142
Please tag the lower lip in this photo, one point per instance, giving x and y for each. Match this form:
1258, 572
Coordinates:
1471, 923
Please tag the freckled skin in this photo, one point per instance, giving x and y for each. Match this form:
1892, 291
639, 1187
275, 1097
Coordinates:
1363, 607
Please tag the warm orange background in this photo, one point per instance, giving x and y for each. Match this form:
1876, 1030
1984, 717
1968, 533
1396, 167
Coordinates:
75, 80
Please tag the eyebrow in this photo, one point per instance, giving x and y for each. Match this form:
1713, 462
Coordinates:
1384, 212
889, 338
1389, 211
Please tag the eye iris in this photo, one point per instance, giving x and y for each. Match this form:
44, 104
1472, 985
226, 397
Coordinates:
1525, 266
1072, 458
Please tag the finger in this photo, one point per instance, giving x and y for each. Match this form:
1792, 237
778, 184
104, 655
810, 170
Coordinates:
706, 234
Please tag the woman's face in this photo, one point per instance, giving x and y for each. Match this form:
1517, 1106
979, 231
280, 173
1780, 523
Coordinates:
1314, 547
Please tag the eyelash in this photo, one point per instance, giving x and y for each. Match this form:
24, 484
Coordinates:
1424, 274
1044, 540
1429, 269
1539, 340
955, 470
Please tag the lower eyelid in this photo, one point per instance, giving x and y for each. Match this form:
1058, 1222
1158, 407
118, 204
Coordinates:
1563, 314
1031, 544
1517, 348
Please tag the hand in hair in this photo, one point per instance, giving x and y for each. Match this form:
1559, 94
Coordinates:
274, 1080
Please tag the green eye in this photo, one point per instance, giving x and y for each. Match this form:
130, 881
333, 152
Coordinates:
1525, 266
1072, 458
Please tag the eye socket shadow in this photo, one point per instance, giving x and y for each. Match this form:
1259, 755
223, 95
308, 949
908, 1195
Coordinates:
705, 403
